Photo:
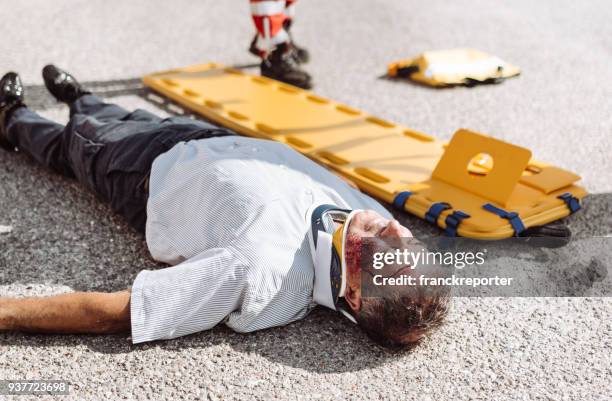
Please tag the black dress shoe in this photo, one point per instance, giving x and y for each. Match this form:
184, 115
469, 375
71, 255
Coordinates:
300, 54
63, 86
282, 66
11, 97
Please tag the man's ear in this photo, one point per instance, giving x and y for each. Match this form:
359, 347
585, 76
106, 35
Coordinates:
353, 298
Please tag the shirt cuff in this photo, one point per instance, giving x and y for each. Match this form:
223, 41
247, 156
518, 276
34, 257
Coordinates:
137, 310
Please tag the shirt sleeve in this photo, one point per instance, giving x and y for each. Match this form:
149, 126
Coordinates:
193, 296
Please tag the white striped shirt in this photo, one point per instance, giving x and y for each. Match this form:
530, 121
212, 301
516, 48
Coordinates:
229, 214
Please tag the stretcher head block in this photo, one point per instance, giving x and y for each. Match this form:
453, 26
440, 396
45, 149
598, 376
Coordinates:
453, 67
508, 163
383, 158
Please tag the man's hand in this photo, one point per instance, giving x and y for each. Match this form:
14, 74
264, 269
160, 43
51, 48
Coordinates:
80, 312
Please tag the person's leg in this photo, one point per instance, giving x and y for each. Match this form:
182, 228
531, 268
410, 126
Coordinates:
40, 138
22, 128
290, 10
70, 150
302, 55
73, 150
95, 107
259, 44
112, 151
67, 89
269, 18
273, 44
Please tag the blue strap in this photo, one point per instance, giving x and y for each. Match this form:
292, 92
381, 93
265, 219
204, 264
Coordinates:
512, 217
400, 199
435, 210
571, 201
452, 222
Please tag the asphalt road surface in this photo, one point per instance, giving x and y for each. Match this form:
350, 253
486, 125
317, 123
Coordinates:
63, 239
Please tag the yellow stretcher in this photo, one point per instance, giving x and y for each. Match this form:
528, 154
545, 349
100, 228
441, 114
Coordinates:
475, 186
454, 67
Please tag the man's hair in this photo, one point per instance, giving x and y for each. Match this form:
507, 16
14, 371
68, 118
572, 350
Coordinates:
398, 321
398, 316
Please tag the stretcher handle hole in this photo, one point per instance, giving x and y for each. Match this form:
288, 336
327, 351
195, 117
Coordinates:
238, 116
212, 104
418, 136
190, 93
333, 158
288, 89
345, 109
298, 142
480, 165
260, 80
266, 129
380, 122
367, 173
317, 99
170, 82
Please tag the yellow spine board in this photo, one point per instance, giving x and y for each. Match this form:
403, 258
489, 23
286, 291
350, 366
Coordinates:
383, 158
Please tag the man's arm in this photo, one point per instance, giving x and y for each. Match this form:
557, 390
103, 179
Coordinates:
80, 312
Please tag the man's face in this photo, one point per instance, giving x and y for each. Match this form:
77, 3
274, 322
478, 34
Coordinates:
366, 224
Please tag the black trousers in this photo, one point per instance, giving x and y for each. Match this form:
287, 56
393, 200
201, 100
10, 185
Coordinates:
106, 148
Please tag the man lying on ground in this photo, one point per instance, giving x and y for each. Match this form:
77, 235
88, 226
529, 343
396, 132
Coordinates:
232, 215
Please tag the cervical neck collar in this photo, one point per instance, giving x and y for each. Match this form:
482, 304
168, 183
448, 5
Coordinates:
327, 237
